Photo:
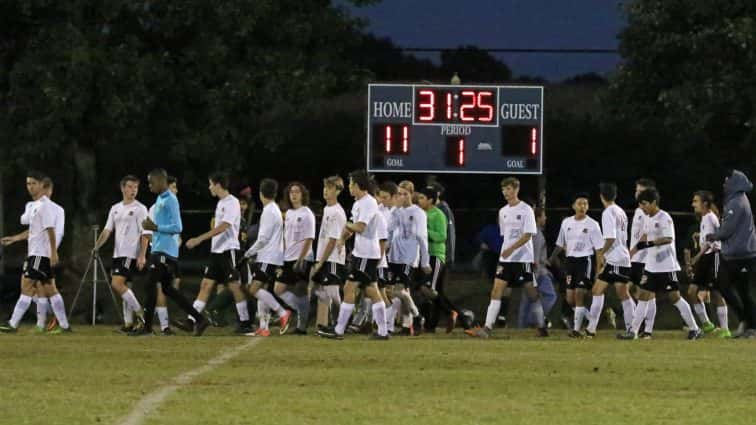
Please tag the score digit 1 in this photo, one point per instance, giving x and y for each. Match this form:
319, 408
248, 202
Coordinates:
455, 152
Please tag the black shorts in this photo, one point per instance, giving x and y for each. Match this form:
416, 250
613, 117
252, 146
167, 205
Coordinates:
223, 267
245, 273
363, 270
330, 274
706, 273
615, 274
264, 273
401, 273
660, 282
289, 276
515, 274
580, 272
124, 266
38, 268
636, 272
384, 277
435, 279
162, 269
177, 272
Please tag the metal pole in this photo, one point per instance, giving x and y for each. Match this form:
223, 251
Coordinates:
95, 230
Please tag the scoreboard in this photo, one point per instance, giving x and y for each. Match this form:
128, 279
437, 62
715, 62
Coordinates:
416, 128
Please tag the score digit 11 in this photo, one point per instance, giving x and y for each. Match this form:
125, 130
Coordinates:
395, 139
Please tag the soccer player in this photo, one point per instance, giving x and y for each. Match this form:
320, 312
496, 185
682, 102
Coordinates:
224, 252
162, 302
269, 252
579, 238
706, 265
42, 257
615, 258
638, 260
365, 257
164, 256
130, 249
387, 196
661, 267
543, 274
517, 225
328, 271
299, 233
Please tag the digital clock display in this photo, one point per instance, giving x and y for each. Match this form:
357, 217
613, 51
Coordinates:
455, 129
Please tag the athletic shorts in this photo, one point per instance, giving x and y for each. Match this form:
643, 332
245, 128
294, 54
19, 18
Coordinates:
330, 274
615, 274
289, 276
401, 273
706, 273
384, 277
245, 273
162, 269
38, 268
436, 275
124, 266
660, 282
223, 267
363, 270
580, 272
264, 273
636, 272
515, 274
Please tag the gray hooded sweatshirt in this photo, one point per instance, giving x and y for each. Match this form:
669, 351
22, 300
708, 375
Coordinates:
737, 230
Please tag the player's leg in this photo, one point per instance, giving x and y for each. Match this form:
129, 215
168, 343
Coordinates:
50, 290
28, 286
628, 304
684, 308
597, 304
345, 312
494, 306
536, 308
644, 296
263, 274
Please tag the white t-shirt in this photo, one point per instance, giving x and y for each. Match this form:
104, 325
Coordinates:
269, 245
661, 259
580, 238
382, 233
639, 225
334, 220
366, 244
228, 211
709, 225
127, 222
26, 216
60, 222
614, 226
298, 227
41, 218
514, 221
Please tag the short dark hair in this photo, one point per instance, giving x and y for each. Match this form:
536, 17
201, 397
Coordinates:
510, 181
361, 179
47, 182
650, 195
129, 178
645, 182
579, 195
158, 172
430, 192
219, 177
305, 195
171, 180
608, 190
269, 188
36, 175
440, 189
389, 187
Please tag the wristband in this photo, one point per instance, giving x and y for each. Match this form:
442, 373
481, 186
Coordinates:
644, 245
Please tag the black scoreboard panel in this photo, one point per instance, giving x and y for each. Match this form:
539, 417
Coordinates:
414, 128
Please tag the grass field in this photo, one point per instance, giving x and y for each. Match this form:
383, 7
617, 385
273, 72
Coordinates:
95, 376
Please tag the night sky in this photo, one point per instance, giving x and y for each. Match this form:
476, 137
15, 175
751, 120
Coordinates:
507, 24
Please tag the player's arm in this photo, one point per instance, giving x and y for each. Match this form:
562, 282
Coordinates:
10, 240
102, 239
518, 243
264, 235
193, 242
559, 246
53, 246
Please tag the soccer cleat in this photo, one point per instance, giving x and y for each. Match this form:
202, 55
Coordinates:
141, 331
418, 324
376, 337
126, 329
260, 333
52, 324
199, 327
627, 336
589, 334
575, 334
353, 329
708, 327
452, 322
59, 331
330, 333
542, 332
8, 329
611, 317
244, 328
567, 322
216, 319
185, 325
724, 334
479, 332
285, 320
167, 332
646, 335
695, 334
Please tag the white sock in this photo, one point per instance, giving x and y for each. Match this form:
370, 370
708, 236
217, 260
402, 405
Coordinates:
263, 313
597, 306
344, 313
128, 314
268, 299
493, 313
406, 320
577, 322
242, 311
56, 301
412, 306
628, 310
379, 313
640, 314
289, 298
722, 315
686, 314
396, 307
199, 306
43, 304
700, 309
23, 303
162, 314
650, 316
390, 316
536, 309
130, 299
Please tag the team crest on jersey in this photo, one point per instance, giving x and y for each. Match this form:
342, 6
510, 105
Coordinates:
585, 230
131, 212
299, 219
519, 217
656, 224
411, 217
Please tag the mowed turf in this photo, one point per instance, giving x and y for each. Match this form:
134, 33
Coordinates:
95, 376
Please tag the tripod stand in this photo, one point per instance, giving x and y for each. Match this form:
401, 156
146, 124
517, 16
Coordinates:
96, 266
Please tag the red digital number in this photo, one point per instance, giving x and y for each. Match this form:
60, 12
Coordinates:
461, 152
484, 103
388, 139
428, 105
465, 105
448, 106
533, 139
405, 139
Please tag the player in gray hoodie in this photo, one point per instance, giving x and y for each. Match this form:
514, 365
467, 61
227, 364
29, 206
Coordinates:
738, 238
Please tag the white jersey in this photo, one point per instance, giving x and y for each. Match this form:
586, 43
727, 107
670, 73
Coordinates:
381, 231
228, 211
41, 218
125, 221
614, 226
298, 227
26, 216
638, 230
709, 225
409, 244
661, 259
366, 244
269, 245
334, 220
580, 238
515, 221
60, 222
